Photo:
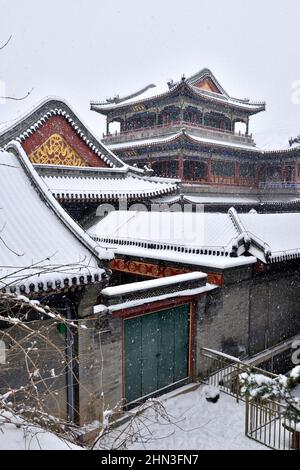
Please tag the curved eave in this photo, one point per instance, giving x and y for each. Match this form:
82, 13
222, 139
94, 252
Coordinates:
59, 281
77, 170
287, 152
219, 251
110, 197
249, 107
189, 138
89, 170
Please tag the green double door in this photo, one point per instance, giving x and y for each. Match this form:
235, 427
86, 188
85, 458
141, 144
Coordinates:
156, 351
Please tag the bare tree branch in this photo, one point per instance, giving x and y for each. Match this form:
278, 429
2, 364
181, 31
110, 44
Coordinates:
13, 98
4, 45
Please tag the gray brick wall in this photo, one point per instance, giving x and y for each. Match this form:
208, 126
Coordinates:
48, 354
100, 370
250, 313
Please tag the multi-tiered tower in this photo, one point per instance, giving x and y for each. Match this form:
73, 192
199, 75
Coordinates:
193, 130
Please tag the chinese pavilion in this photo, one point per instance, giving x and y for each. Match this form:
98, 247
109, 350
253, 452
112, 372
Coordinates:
195, 131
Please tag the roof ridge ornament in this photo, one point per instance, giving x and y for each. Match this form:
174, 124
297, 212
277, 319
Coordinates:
247, 238
295, 140
243, 238
116, 99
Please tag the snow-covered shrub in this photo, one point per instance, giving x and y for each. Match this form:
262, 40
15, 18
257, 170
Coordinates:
280, 389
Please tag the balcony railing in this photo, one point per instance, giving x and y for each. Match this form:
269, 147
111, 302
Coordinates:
177, 124
279, 185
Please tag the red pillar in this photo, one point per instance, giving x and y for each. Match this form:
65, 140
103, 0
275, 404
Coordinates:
166, 168
236, 172
259, 174
295, 172
282, 171
180, 168
192, 170
209, 171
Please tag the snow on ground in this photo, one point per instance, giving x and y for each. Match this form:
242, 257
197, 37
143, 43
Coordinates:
196, 424
30, 438
191, 423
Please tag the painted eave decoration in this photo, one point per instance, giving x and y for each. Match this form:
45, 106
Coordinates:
52, 133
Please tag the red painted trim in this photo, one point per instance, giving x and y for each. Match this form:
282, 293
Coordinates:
260, 267
156, 271
58, 125
180, 168
145, 269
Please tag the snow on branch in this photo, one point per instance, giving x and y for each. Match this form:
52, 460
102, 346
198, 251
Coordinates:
280, 389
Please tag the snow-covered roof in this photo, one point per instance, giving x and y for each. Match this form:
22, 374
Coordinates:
211, 232
279, 233
32, 121
213, 261
79, 183
40, 242
151, 92
153, 141
225, 199
203, 239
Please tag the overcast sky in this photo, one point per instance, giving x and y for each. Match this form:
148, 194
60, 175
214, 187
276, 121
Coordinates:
93, 49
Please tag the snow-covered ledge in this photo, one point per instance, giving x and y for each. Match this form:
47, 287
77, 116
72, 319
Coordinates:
136, 293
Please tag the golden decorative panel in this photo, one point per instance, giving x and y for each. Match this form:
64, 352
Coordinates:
131, 153
138, 107
56, 151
